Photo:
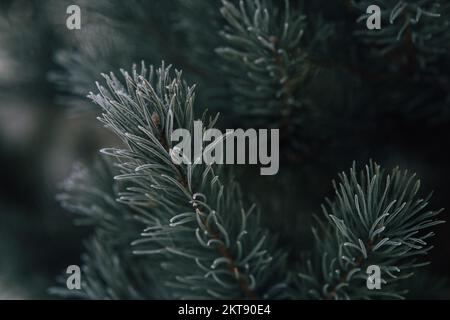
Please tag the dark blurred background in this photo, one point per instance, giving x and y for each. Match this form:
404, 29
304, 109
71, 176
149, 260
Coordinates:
42, 136
40, 140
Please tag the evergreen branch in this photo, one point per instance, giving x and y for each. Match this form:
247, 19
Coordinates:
416, 29
91, 193
199, 228
375, 219
93, 53
138, 31
267, 46
269, 67
110, 270
112, 273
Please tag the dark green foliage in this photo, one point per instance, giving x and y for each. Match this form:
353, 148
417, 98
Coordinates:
110, 270
269, 61
170, 34
97, 52
414, 42
309, 69
92, 194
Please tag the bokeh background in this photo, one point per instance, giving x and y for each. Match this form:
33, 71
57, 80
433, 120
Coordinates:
44, 131
40, 140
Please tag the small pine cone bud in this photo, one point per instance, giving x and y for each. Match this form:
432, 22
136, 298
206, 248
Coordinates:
155, 119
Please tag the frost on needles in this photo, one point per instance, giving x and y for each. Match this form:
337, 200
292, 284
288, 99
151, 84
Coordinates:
207, 243
182, 231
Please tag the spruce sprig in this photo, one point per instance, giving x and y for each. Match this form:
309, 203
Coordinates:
376, 218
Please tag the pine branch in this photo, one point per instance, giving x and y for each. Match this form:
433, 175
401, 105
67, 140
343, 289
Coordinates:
416, 29
91, 194
268, 66
110, 270
210, 246
375, 219
269, 51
